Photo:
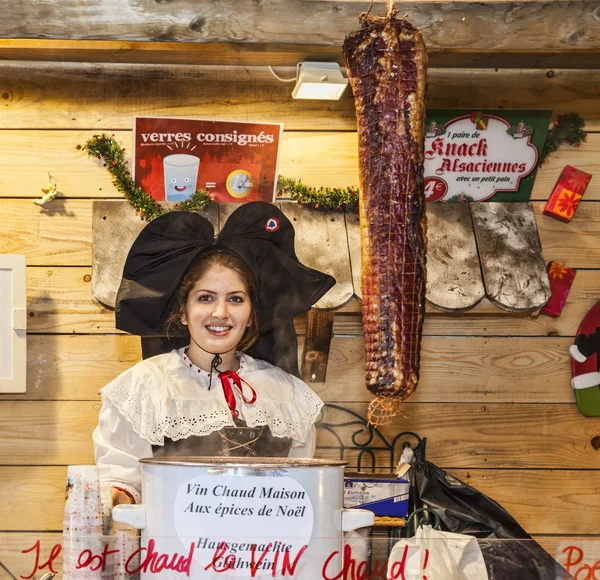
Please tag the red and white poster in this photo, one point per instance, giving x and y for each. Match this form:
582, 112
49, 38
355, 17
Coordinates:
233, 161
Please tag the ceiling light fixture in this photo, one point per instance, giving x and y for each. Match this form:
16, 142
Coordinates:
319, 80
316, 80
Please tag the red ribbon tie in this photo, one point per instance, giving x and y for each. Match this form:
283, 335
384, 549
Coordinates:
229, 380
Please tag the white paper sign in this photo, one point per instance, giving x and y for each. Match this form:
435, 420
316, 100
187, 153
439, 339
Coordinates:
465, 163
251, 523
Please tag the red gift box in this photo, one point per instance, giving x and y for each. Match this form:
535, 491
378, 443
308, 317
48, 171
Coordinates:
561, 279
567, 194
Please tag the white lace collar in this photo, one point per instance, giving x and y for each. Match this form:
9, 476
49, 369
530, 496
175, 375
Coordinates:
164, 397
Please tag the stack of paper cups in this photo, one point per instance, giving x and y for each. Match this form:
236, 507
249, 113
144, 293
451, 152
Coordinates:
82, 525
127, 559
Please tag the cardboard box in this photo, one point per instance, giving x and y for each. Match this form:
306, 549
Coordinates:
383, 494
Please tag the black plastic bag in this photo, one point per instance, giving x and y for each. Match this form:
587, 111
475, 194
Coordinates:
464, 510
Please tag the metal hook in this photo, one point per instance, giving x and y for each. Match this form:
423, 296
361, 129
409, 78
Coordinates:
425, 520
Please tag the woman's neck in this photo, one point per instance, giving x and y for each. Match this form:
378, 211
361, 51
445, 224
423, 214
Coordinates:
203, 359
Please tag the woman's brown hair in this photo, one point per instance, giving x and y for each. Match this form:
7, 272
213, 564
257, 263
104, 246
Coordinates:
174, 326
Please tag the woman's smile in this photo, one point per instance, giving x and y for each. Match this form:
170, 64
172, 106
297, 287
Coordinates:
218, 330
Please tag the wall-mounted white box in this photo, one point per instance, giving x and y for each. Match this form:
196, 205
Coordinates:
13, 324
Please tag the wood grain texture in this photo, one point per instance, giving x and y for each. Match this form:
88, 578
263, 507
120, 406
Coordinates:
115, 226
264, 54
484, 370
491, 26
469, 369
47, 433
317, 158
87, 95
510, 253
189, 53
322, 244
317, 345
20, 491
542, 501
13, 543
491, 435
72, 367
454, 280
59, 300
546, 502
58, 235
559, 548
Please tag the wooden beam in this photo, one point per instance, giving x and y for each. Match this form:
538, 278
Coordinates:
61, 233
484, 370
535, 499
14, 546
169, 53
260, 54
317, 158
456, 28
86, 95
317, 343
491, 435
59, 301
541, 501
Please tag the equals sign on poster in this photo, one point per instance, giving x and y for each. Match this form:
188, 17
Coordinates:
211, 184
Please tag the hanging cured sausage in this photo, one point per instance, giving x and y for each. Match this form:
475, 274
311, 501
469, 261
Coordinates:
387, 68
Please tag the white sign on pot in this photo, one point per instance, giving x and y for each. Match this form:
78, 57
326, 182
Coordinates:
254, 520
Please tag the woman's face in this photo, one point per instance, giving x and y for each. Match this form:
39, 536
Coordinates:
218, 310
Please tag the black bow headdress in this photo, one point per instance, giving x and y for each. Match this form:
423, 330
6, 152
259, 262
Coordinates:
257, 232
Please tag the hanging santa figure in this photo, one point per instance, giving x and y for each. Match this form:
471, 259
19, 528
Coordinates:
585, 370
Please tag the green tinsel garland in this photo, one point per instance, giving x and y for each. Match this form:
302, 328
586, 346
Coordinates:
331, 198
106, 148
567, 129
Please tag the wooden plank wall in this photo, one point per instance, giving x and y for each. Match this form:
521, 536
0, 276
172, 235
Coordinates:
455, 32
494, 400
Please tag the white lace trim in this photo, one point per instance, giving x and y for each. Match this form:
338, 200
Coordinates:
162, 397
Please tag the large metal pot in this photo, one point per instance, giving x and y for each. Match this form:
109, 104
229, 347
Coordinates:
232, 518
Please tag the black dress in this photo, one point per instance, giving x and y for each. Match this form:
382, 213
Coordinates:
238, 441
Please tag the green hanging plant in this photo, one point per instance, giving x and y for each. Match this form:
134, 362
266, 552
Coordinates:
332, 198
107, 149
567, 129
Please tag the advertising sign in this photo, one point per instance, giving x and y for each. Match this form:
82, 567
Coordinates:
233, 161
482, 155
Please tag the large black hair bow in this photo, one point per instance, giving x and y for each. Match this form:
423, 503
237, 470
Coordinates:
258, 232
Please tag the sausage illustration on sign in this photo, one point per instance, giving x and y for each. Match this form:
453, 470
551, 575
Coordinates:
387, 68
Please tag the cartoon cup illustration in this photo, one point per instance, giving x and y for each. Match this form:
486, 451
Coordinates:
181, 173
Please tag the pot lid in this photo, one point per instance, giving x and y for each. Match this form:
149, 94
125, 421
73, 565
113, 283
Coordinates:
244, 461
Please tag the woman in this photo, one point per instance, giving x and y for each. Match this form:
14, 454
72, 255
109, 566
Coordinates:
210, 398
